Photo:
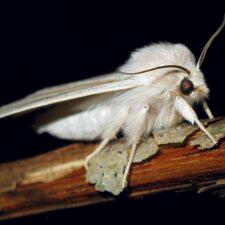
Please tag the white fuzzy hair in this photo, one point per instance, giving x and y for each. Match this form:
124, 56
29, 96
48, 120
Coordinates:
162, 53
137, 111
154, 89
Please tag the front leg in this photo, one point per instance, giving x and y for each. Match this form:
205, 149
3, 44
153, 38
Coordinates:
189, 114
207, 109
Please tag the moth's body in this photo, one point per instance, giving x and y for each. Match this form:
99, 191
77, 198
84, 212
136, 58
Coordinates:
118, 112
155, 89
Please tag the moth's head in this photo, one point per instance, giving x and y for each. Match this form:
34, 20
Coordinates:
170, 58
193, 86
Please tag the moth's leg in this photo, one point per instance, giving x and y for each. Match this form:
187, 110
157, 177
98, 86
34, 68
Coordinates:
189, 114
109, 134
97, 150
135, 126
201, 126
207, 109
127, 169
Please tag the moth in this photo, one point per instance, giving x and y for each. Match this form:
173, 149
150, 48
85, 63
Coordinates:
156, 88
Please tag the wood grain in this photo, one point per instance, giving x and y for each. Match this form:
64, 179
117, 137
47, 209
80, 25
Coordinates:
174, 168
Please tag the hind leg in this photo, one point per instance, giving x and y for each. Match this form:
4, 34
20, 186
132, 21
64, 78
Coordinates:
97, 150
109, 134
136, 127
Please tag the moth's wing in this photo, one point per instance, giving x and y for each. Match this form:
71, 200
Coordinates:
68, 108
62, 93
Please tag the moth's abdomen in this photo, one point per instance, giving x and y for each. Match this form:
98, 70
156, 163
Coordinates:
87, 125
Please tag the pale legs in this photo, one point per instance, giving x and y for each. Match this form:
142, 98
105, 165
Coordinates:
189, 114
135, 127
207, 109
205, 131
127, 169
108, 135
101, 147
97, 150
136, 131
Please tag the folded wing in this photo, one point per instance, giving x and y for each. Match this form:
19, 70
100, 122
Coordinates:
62, 93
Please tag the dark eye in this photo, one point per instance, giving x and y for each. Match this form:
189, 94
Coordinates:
186, 86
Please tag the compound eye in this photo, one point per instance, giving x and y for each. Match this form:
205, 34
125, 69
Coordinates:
186, 86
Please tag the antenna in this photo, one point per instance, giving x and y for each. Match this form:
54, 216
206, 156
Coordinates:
211, 39
160, 67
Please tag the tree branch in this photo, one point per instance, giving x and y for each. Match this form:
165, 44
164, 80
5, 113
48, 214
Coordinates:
56, 180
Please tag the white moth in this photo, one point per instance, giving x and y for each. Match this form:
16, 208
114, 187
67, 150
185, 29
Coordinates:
155, 89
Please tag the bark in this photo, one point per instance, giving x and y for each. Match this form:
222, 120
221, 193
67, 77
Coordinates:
56, 180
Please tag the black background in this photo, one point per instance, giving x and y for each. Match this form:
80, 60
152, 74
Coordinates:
44, 44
